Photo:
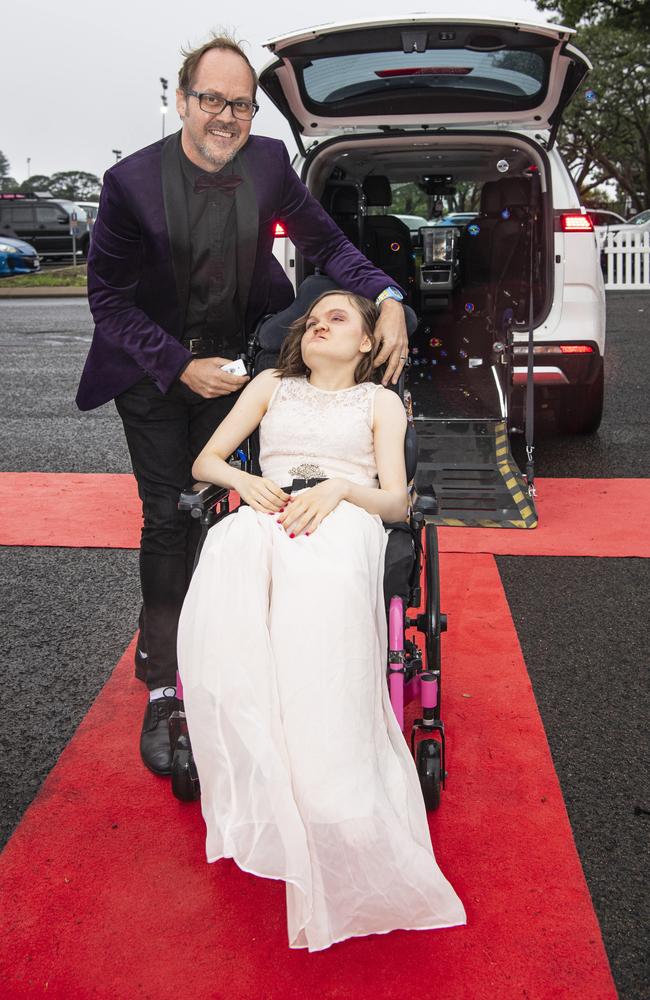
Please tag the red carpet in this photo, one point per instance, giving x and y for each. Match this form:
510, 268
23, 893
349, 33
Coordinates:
70, 509
578, 517
106, 893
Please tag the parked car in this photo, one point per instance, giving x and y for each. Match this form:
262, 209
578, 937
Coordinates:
433, 102
602, 217
625, 233
605, 222
457, 219
17, 257
639, 223
641, 219
414, 222
90, 208
45, 223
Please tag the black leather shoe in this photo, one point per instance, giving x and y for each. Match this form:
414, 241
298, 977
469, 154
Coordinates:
155, 748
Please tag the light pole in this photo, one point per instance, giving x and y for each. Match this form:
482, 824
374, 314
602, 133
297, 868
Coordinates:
163, 103
118, 155
29, 167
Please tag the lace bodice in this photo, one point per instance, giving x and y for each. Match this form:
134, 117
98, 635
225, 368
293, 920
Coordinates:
308, 432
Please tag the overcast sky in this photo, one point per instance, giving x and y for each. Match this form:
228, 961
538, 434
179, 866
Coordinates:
79, 78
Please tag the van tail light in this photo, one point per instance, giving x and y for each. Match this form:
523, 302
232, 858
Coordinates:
576, 349
279, 230
576, 222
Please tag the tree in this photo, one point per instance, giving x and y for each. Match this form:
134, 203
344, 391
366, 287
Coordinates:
609, 138
37, 182
624, 14
76, 185
409, 199
467, 197
7, 182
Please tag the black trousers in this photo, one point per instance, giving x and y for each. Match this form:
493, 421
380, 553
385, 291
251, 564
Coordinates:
165, 433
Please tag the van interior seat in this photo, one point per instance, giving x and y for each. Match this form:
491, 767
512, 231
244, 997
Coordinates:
386, 239
511, 248
341, 201
476, 247
494, 259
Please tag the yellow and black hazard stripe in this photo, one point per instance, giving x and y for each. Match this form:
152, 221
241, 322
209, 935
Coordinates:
514, 481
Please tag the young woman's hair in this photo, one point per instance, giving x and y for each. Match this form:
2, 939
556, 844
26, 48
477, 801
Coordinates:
291, 361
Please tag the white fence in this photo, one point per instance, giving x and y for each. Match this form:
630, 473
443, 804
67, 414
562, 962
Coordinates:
626, 259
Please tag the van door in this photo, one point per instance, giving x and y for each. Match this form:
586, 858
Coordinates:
422, 72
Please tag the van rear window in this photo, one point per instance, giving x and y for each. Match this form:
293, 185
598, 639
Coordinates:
508, 73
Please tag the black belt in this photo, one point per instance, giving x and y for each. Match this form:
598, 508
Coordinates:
302, 484
207, 345
203, 345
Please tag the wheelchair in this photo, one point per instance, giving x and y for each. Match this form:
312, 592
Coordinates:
411, 581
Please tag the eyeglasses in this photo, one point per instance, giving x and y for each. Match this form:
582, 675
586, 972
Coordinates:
212, 104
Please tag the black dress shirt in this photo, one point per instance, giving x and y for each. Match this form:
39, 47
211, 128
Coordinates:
212, 310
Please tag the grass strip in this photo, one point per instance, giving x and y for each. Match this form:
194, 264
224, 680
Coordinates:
74, 277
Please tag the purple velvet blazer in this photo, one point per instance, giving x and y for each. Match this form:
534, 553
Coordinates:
138, 265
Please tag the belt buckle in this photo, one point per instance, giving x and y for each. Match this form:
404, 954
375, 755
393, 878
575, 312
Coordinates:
196, 345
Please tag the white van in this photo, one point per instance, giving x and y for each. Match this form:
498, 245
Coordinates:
439, 104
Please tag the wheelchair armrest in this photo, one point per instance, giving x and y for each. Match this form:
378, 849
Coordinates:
201, 497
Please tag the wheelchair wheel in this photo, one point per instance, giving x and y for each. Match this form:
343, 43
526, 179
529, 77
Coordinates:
185, 778
434, 620
430, 772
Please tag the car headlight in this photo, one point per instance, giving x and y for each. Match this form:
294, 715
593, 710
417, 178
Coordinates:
7, 248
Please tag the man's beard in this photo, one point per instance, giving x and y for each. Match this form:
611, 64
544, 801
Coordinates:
217, 161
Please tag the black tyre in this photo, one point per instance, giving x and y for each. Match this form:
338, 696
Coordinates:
580, 409
429, 772
185, 778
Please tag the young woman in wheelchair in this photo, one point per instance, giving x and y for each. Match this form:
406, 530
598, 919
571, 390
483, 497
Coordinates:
305, 774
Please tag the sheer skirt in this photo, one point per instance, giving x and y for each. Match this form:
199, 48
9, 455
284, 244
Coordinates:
305, 774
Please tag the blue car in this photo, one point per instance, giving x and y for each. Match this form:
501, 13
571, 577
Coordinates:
17, 257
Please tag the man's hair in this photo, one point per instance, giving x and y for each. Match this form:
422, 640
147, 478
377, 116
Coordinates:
291, 362
192, 56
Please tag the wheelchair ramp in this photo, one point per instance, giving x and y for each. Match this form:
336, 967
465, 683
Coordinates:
467, 466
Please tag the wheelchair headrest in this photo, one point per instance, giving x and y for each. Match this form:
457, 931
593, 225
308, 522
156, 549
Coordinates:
274, 329
377, 191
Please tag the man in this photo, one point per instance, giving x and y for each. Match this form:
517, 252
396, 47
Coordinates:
179, 272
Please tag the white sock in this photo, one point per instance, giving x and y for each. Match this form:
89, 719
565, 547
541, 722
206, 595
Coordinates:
168, 690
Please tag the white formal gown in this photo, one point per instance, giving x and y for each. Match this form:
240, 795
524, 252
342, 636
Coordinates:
305, 774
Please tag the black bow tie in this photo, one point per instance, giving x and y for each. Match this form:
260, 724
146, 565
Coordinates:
227, 183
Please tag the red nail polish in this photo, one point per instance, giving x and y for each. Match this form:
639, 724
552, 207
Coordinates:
292, 535
307, 533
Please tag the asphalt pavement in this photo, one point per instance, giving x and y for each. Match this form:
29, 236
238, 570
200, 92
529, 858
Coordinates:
582, 623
